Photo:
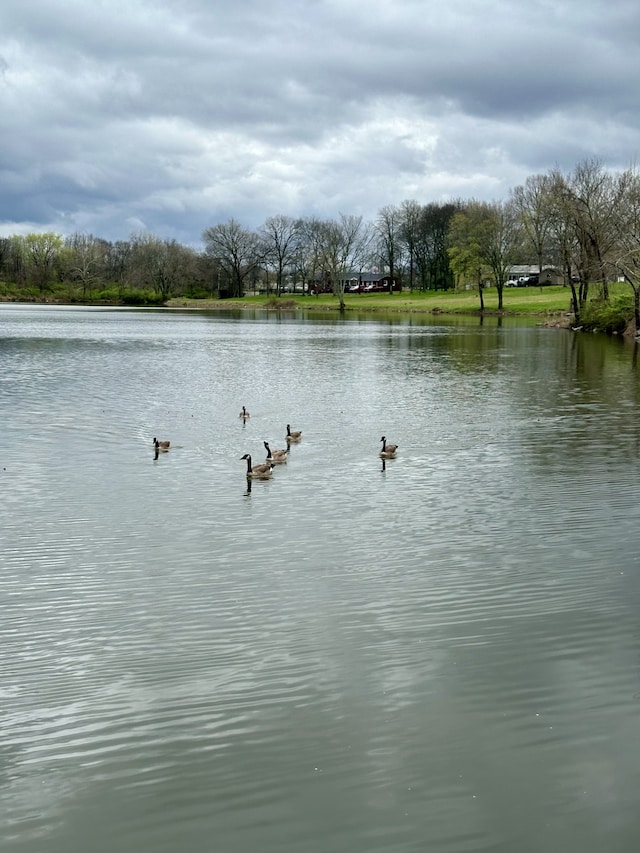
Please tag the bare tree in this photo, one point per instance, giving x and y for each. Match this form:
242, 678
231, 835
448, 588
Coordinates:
565, 247
306, 261
237, 251
588, 199
166, 266
119, 263
16, 265
627, 258
87, 259
410, 225
5, 254
174, 266
279, 236
342, 247
387, 234
533, 201
431, 245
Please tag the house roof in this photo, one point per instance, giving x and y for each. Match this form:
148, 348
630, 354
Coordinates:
523, 269
366, 276
359, 276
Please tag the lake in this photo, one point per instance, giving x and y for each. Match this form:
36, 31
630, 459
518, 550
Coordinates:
435, 652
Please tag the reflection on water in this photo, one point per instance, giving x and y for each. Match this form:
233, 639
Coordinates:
437, 651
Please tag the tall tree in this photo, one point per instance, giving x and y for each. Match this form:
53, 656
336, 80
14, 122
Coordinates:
5, 254
410, 211
627, 254
87, 260
279, 236
343, 244
166, 266
533, 202
588, 200
464, 252
41, 253
488, 236
237, 251
431, 246
16, 264
119, 263
387, 235
306, 260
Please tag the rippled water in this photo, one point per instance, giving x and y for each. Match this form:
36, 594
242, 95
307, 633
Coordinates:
439, 653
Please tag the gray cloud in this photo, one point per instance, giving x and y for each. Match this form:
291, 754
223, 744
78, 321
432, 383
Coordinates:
172, 117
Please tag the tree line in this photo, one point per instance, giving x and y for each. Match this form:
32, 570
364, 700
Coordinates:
585, 223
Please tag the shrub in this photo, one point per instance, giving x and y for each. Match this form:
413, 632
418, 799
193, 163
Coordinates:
611, 317
141, 297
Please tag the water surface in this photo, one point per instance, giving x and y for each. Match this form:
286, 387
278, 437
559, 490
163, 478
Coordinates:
438, 653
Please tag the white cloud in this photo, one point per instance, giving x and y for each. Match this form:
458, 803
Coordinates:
172, 117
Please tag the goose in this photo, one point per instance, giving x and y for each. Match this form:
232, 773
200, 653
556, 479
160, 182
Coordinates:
161, 445
388, 450
275, 455
260, 472
244, 414
293, 436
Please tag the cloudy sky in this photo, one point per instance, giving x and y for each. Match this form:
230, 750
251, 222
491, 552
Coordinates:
169, 116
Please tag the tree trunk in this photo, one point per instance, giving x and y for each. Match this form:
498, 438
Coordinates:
636, 302
575, 301
237, 286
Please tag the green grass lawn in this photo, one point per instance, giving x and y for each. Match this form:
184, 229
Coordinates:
514, 300
522, 300
550, 303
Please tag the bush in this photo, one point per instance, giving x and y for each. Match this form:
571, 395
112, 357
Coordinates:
611, 317
199, 291
141, 297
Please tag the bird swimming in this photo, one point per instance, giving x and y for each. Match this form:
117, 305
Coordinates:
296, 435
260, 472
275, 455
244, 414
161, 445
388, 450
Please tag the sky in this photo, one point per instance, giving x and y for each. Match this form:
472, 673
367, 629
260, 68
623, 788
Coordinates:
171, 116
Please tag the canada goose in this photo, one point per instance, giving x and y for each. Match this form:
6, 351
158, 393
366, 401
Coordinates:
388, 450
260, 472
275, 455
293, 436
161, 445
244, 414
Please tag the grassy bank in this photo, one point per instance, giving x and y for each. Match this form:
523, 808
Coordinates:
550, 305
536, 302
542, 304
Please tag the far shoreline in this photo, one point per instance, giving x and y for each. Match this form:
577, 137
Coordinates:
540, 308
555, 319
